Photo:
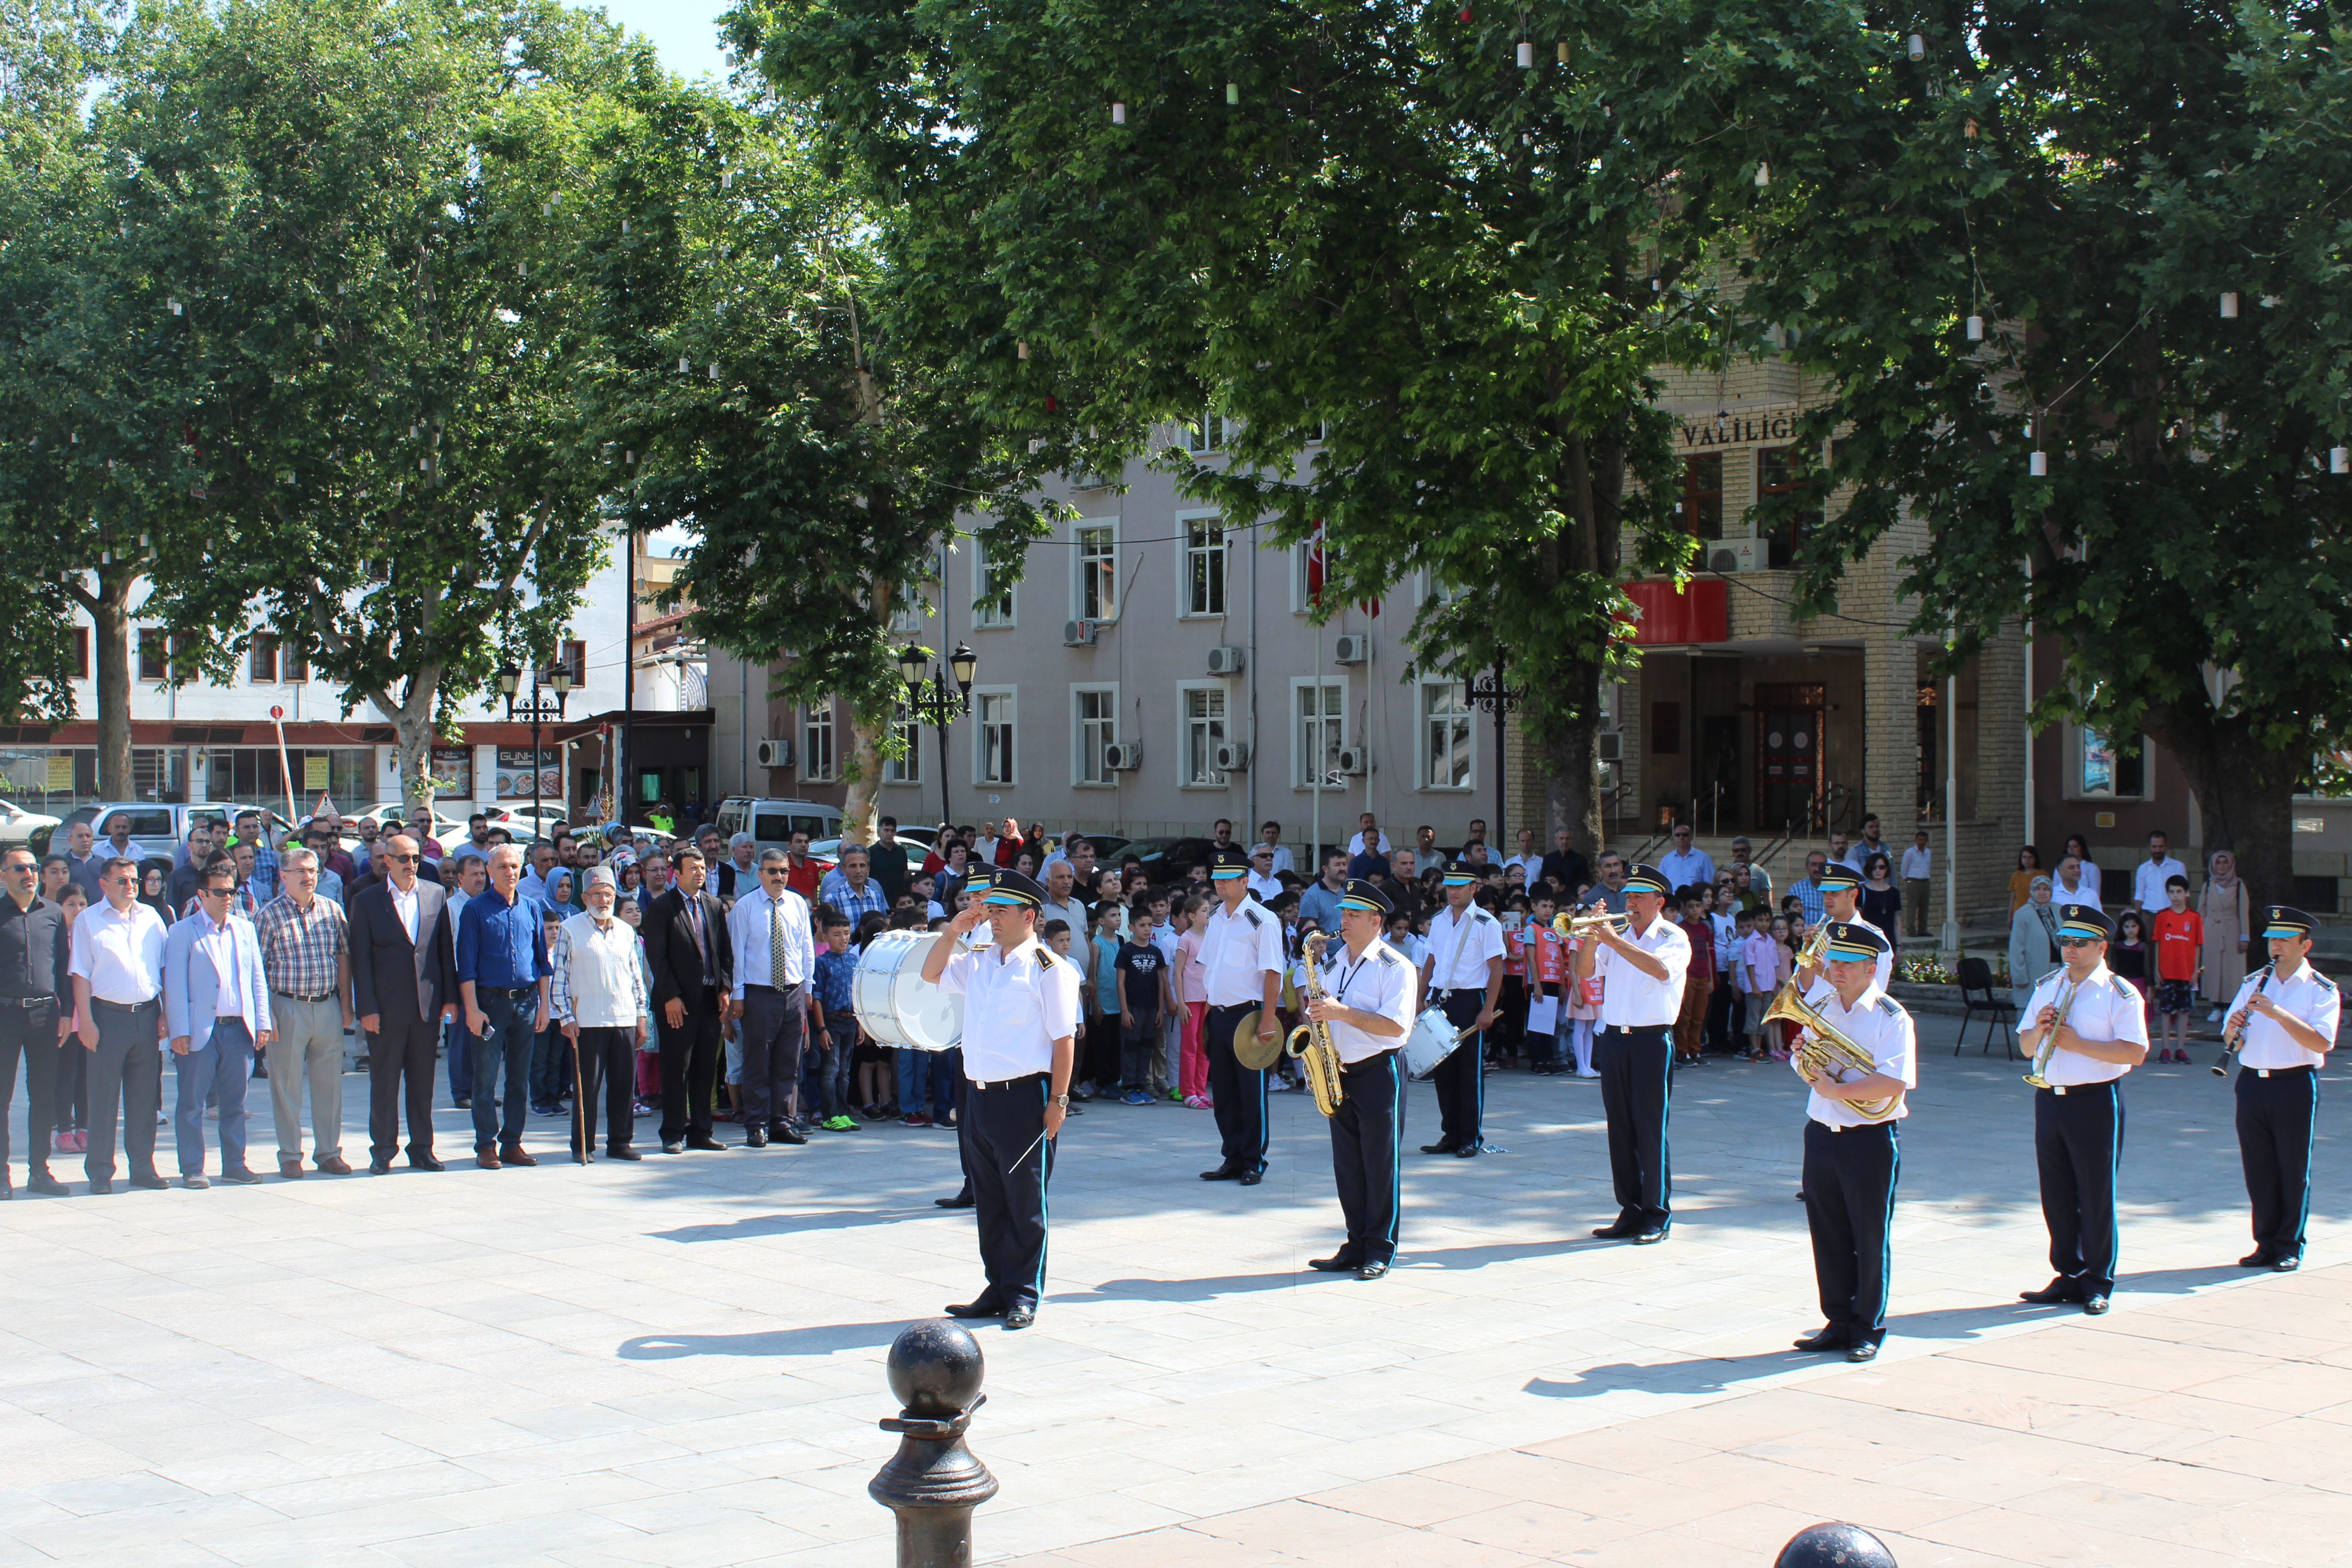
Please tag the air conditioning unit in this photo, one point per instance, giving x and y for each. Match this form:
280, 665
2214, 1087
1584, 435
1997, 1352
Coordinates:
1125, 756
1232, 757
1077, 634
1355, 761
1226, 660
774, 753
1737, 555
1353, 649
1610, 746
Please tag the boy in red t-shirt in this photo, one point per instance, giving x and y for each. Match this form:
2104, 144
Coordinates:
1698, 984
1544, 956
2179, 955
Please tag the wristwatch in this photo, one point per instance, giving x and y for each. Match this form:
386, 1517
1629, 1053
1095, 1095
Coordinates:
1058, 1101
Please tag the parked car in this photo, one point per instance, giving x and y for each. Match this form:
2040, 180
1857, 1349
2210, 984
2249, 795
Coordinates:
1163, 860
1110, 847
447, 828
29, 829
533, 819
159, 829
772, 823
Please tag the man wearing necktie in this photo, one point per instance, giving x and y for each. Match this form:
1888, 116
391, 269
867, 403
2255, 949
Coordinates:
692, 961
217, 1011
775, 954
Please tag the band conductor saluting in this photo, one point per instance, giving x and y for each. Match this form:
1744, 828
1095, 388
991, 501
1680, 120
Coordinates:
1641, 973
2085, 1029
1243, 954
1463, 975
2281, 1026
1020, 1018
1367, 1006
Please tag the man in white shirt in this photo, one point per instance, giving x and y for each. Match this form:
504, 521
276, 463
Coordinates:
1264, 885
2288, 1013
1463, 974
1366, 828
775, 957
2095, 1029
1917, 867
2147, 877
598, 996
1020, 1027
1368, 1003
1269, 834
1529, 863
116, 959
1059, 904
1852, 1150
1687, 868
1642, 975
1840, 891
1242, 954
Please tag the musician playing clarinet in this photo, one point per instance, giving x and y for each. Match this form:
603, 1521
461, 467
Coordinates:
2283, 1021
2097, 1031
1369, 995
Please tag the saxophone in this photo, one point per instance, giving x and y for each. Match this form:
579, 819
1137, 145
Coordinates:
1318, 1056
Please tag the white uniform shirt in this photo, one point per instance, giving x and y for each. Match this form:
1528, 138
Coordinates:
1381, 982
1459, 946
1880, 976
2104, 1008
1878, 1025
122, 956
1631, 999
2309, 996
2148, 882
1016, 1004
1236, 950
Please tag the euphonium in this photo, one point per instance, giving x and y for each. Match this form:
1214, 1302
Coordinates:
1319, 1058
1821, 1049
2050, 1041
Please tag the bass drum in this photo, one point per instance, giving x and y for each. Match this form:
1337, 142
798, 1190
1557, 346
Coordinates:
892, 1001
1432, 1040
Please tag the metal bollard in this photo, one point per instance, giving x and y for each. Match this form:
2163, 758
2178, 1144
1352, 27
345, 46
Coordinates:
1837, 1546
933, 1482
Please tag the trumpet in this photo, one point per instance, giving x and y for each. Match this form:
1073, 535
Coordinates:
2236, 1040
1821, 1049
2050, 1041
1571, 925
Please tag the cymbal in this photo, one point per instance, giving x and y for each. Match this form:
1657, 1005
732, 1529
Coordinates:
1249, 1051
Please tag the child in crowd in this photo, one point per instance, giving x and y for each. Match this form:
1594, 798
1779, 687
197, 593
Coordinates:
833, 1026
1723, 1018
1509, 1036
1098, 1056
1167, 1059
1699, 982
2180, 958
551, 1053
1192, 994
1543, 953
1764, 965
1144, 1000
1788, 935
2127, 958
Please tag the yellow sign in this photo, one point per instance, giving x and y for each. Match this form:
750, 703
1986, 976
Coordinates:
62, 772
314, 772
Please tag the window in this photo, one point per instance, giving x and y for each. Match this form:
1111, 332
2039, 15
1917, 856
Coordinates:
1311, 565
992, 602
1775, 476
1204, 567
816, 742
1097, 732
261, 660
1204, 729
2101, 772
993, 762
293, 668
1444, 735
573, 657
1318, 731
908, 766
81, 653
907, 619
154, 654
1701, 507
1434, 590
1211, 434
1097, 580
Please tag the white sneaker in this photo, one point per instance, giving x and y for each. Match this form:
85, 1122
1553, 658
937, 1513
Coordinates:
2214, 1017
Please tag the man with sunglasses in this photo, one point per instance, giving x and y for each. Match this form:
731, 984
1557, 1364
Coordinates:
2096, 1026
217, 1013
35, 1014
117, 963
405, 986
775, 956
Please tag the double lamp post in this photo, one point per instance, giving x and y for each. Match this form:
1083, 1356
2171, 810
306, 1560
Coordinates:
942, 706
559, 687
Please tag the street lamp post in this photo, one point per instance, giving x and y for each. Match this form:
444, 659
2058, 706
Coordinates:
559, 685
1493, 696
942, 707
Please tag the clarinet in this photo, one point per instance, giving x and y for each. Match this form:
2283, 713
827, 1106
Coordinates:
2235, 1040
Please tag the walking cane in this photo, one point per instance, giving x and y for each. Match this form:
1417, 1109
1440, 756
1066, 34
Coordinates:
579, 1107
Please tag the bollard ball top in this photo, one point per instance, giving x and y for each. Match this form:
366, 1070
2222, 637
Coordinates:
1834, 1545
935, 1368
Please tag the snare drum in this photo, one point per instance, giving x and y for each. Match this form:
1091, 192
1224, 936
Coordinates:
891, 1001
1432, 1040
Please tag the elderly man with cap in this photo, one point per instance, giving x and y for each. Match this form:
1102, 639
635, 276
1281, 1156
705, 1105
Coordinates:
598, 995
1852, 1150
1368, 1003
1641, 973
1020, 1024
2085, 1029
1841, 891
1462, 972
1242, 955
2284, 1019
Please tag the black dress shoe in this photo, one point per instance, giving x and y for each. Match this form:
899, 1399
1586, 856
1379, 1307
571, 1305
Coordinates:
1372, 1270
1469, 1151
1829, 1339
786, 1132
1338, 1263
2257, 1258
2093, 1306
983, 1308
1443, 1146
672, 1148
1222, 1174
424, 1162
1250, 1178
151, 1182
1861, 1351
962, 1200
703, 1140
625, 1151
2285, 1265
757, 1138
102, 1185
1020, 1318
1649, 1237
379, 1167
1617, 1232
47, 1184
2053, 1294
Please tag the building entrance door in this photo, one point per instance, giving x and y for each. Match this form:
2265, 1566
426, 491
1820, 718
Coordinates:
1788, 755
1720, 794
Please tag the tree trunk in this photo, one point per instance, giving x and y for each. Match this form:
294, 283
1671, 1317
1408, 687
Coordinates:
859, 808
1571, 787
412, 733
2245, 795
111, 657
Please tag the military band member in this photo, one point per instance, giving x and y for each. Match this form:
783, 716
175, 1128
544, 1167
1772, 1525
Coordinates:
1463, 974
1642, 976
1242, 950
2078, 1120
1851, 1161
1368, 1003
1020, 1017
2289, 1013
1841, 890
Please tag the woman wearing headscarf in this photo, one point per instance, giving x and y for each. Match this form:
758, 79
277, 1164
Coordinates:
2221, 904
2033, 940
153, 891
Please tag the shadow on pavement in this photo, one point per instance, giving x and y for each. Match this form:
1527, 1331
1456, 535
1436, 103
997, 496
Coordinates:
818, 1339
758, 1225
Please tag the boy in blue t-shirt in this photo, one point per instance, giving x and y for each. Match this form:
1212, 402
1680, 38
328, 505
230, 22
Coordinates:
836, 1026
1145, 999
1099, 1064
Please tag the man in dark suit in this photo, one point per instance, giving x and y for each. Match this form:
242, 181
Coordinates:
405, 981
688, 948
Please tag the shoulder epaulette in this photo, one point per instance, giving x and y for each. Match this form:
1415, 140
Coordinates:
1483, 915
2323, 979
1252, 916
1390, 955
1890, 1006
1044, 959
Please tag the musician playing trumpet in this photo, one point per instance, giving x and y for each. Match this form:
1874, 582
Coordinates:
1641, 972
2085, 1029
1368, 1003
1841, 890
1851, 1156
2283, 1023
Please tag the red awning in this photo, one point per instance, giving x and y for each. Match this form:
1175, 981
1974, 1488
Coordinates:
1700, 613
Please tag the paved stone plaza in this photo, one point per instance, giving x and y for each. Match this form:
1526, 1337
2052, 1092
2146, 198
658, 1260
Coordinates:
679, 1363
